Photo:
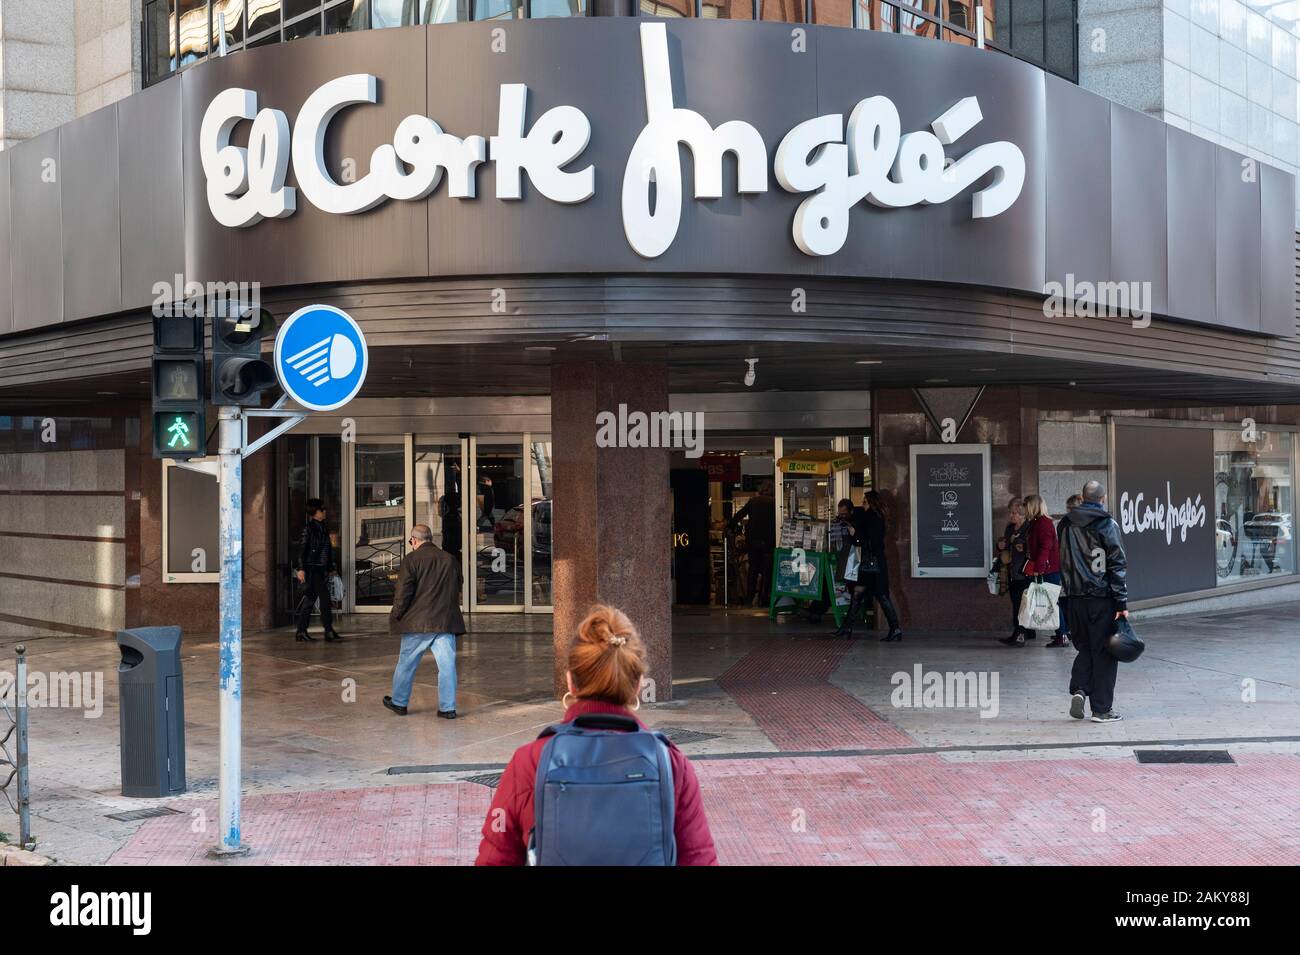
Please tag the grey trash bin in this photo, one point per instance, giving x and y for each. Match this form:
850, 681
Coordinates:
152, 711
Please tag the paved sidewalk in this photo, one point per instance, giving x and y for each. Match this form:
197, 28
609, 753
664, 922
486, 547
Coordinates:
891, 810
749, 697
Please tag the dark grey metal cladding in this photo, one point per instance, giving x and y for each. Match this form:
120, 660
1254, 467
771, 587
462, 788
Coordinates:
6, 250
151, 184
311, 245
1078, 183
940, 243
36, 232
1191, 164
1277, 314
1237, 241
1138, 240
1102, 198
92, 266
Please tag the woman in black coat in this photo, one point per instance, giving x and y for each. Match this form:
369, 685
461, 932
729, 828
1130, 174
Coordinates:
869, 534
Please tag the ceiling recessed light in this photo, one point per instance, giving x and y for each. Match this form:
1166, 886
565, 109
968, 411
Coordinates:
936, 381
106, 394
983, 369
869, 361
539, 348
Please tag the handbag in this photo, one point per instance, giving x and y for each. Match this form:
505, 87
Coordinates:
1038, 607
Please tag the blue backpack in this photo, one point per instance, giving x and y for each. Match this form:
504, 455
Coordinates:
604, 795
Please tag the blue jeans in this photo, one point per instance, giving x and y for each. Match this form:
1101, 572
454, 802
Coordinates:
414, 645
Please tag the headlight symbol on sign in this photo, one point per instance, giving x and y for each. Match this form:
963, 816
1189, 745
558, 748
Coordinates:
321, 357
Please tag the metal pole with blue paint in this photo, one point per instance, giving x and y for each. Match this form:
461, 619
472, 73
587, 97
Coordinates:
230, 435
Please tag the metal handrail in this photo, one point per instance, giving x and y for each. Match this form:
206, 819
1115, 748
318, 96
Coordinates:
17, 759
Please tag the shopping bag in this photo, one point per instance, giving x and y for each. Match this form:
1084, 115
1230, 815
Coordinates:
1038, 609
994, 581
853, 564
336, 589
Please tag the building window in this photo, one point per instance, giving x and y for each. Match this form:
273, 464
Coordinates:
159, 40
498, 9
727, 9
347, 16
263, 15
540, 9
1254, 504
229, 13
781, 11
193, 31
668, 8
448, 11
835, 13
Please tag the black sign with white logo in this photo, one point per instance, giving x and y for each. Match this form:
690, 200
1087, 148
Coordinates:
1163, 499
950, 510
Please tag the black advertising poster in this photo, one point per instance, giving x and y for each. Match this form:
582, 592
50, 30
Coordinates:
951, 517
1163, 498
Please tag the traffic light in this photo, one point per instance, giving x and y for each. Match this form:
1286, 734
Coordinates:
239, 373
179, 423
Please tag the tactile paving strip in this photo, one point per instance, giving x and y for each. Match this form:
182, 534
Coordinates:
784, 685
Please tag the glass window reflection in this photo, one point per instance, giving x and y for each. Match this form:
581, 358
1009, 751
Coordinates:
262, 15
781, 11
558, 8
835, 13
395, 13
193, 31
727, 9
498, 9
668, 8
231, 13
1254, 505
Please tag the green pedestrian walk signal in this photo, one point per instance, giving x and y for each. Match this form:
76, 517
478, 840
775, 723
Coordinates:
179, 421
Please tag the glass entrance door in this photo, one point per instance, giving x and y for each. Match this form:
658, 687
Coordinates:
439, 494
380, 520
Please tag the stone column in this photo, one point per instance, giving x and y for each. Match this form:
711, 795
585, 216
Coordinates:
612, 526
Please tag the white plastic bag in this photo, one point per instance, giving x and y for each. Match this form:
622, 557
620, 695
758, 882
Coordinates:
336, 589
1038, 609
993, 583
852, 565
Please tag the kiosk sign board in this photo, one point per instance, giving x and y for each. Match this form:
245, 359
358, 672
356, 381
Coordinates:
952, 524
1163, 499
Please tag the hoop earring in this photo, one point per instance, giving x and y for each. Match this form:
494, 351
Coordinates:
564, 700
637, 705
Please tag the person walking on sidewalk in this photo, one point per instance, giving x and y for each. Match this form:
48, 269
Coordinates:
426, 612
1044, 554
1095, 574
1074, 500
869, 534
315, 567
606, 669
1014, 544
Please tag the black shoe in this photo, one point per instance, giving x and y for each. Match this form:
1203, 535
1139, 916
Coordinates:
1054, 643
399, 710
893, 636
1076, 705
1110, 716
1031, 634
447, 714
332, 637
302, 636
1009, 641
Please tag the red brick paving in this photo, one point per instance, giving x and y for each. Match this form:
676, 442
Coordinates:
853, 810
783, 684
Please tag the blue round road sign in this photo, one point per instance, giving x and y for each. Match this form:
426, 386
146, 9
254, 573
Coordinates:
321, 357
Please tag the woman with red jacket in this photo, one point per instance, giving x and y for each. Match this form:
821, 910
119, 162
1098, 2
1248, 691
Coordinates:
606, 666
1044, 551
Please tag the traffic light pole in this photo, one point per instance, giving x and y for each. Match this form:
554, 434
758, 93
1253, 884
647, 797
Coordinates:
230, 435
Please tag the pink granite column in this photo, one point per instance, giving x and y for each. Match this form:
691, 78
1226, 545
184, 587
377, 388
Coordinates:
612, 530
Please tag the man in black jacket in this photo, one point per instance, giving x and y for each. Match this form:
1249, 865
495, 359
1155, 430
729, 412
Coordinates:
315, 564
1094, 575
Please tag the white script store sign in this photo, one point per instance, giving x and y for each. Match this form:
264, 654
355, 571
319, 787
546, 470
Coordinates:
837, 167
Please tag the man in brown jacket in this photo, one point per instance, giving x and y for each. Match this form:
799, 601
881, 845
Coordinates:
426, 612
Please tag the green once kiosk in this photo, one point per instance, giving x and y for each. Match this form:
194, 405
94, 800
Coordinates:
803, 567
